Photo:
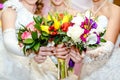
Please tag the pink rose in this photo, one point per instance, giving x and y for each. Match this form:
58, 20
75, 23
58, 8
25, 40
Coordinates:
26, 35
31, 27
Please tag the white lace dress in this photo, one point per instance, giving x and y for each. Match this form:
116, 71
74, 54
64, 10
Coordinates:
15, 67
107, 68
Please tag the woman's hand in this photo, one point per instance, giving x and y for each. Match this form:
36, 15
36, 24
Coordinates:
61, 51
43, 53
75, 55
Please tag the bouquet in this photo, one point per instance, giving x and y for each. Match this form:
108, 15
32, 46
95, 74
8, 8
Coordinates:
86, 32
58, 34
43, 31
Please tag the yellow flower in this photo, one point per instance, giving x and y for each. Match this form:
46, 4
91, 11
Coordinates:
49, 17
45, 28
66, 18
56, 23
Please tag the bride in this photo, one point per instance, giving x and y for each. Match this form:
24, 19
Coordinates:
13, 64
102, 63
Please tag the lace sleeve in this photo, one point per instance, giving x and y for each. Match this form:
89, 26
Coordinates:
102, 52
11, 42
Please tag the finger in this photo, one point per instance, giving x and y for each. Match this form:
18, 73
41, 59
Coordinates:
62, 57
40, 57
45, 53
73, 51
61, 49
61, 53
73, 54
38, 60
76, 59
76, 56
47, 48
60, 45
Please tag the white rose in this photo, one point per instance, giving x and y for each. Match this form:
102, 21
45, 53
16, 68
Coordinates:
88, 14
78, 19
92, 39
75, 32
102, 22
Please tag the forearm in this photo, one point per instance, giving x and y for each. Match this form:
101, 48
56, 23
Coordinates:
101, 53
11, 42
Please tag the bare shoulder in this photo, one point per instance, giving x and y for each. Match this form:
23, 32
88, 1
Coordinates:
115, 10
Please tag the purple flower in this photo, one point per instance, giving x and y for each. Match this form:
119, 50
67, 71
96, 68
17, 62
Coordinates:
82, 25
71, 63
84, 35
93, 24
98, 38
86, 21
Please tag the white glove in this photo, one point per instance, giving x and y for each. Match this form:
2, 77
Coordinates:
11, 42
100, 53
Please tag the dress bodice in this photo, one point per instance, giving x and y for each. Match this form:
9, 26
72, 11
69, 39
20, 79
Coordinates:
23, 19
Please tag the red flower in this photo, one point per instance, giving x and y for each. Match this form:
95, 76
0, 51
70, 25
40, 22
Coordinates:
61, 16
65, 26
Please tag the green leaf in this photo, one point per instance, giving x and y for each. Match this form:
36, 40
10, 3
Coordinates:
45, 34
34, 35
102, 34
58, 39
102, 40
66, 39
38, 19
36, 47
49, 23
28, 41
24, 50
19, 37
30, 45
93, 45
37, 26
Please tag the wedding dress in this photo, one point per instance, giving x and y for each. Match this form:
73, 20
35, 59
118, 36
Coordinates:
13, 64
107, 65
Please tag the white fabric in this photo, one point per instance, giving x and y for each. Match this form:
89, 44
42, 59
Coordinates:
11, 42
13, 66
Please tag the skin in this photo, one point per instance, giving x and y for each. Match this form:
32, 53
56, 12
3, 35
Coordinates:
57, 2
62, 6
95, 0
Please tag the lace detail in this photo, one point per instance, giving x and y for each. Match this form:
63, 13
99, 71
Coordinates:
102, 53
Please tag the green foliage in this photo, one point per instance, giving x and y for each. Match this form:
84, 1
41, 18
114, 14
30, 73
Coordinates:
38, 19
36, 47
34, 35
28, 41
102, 40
